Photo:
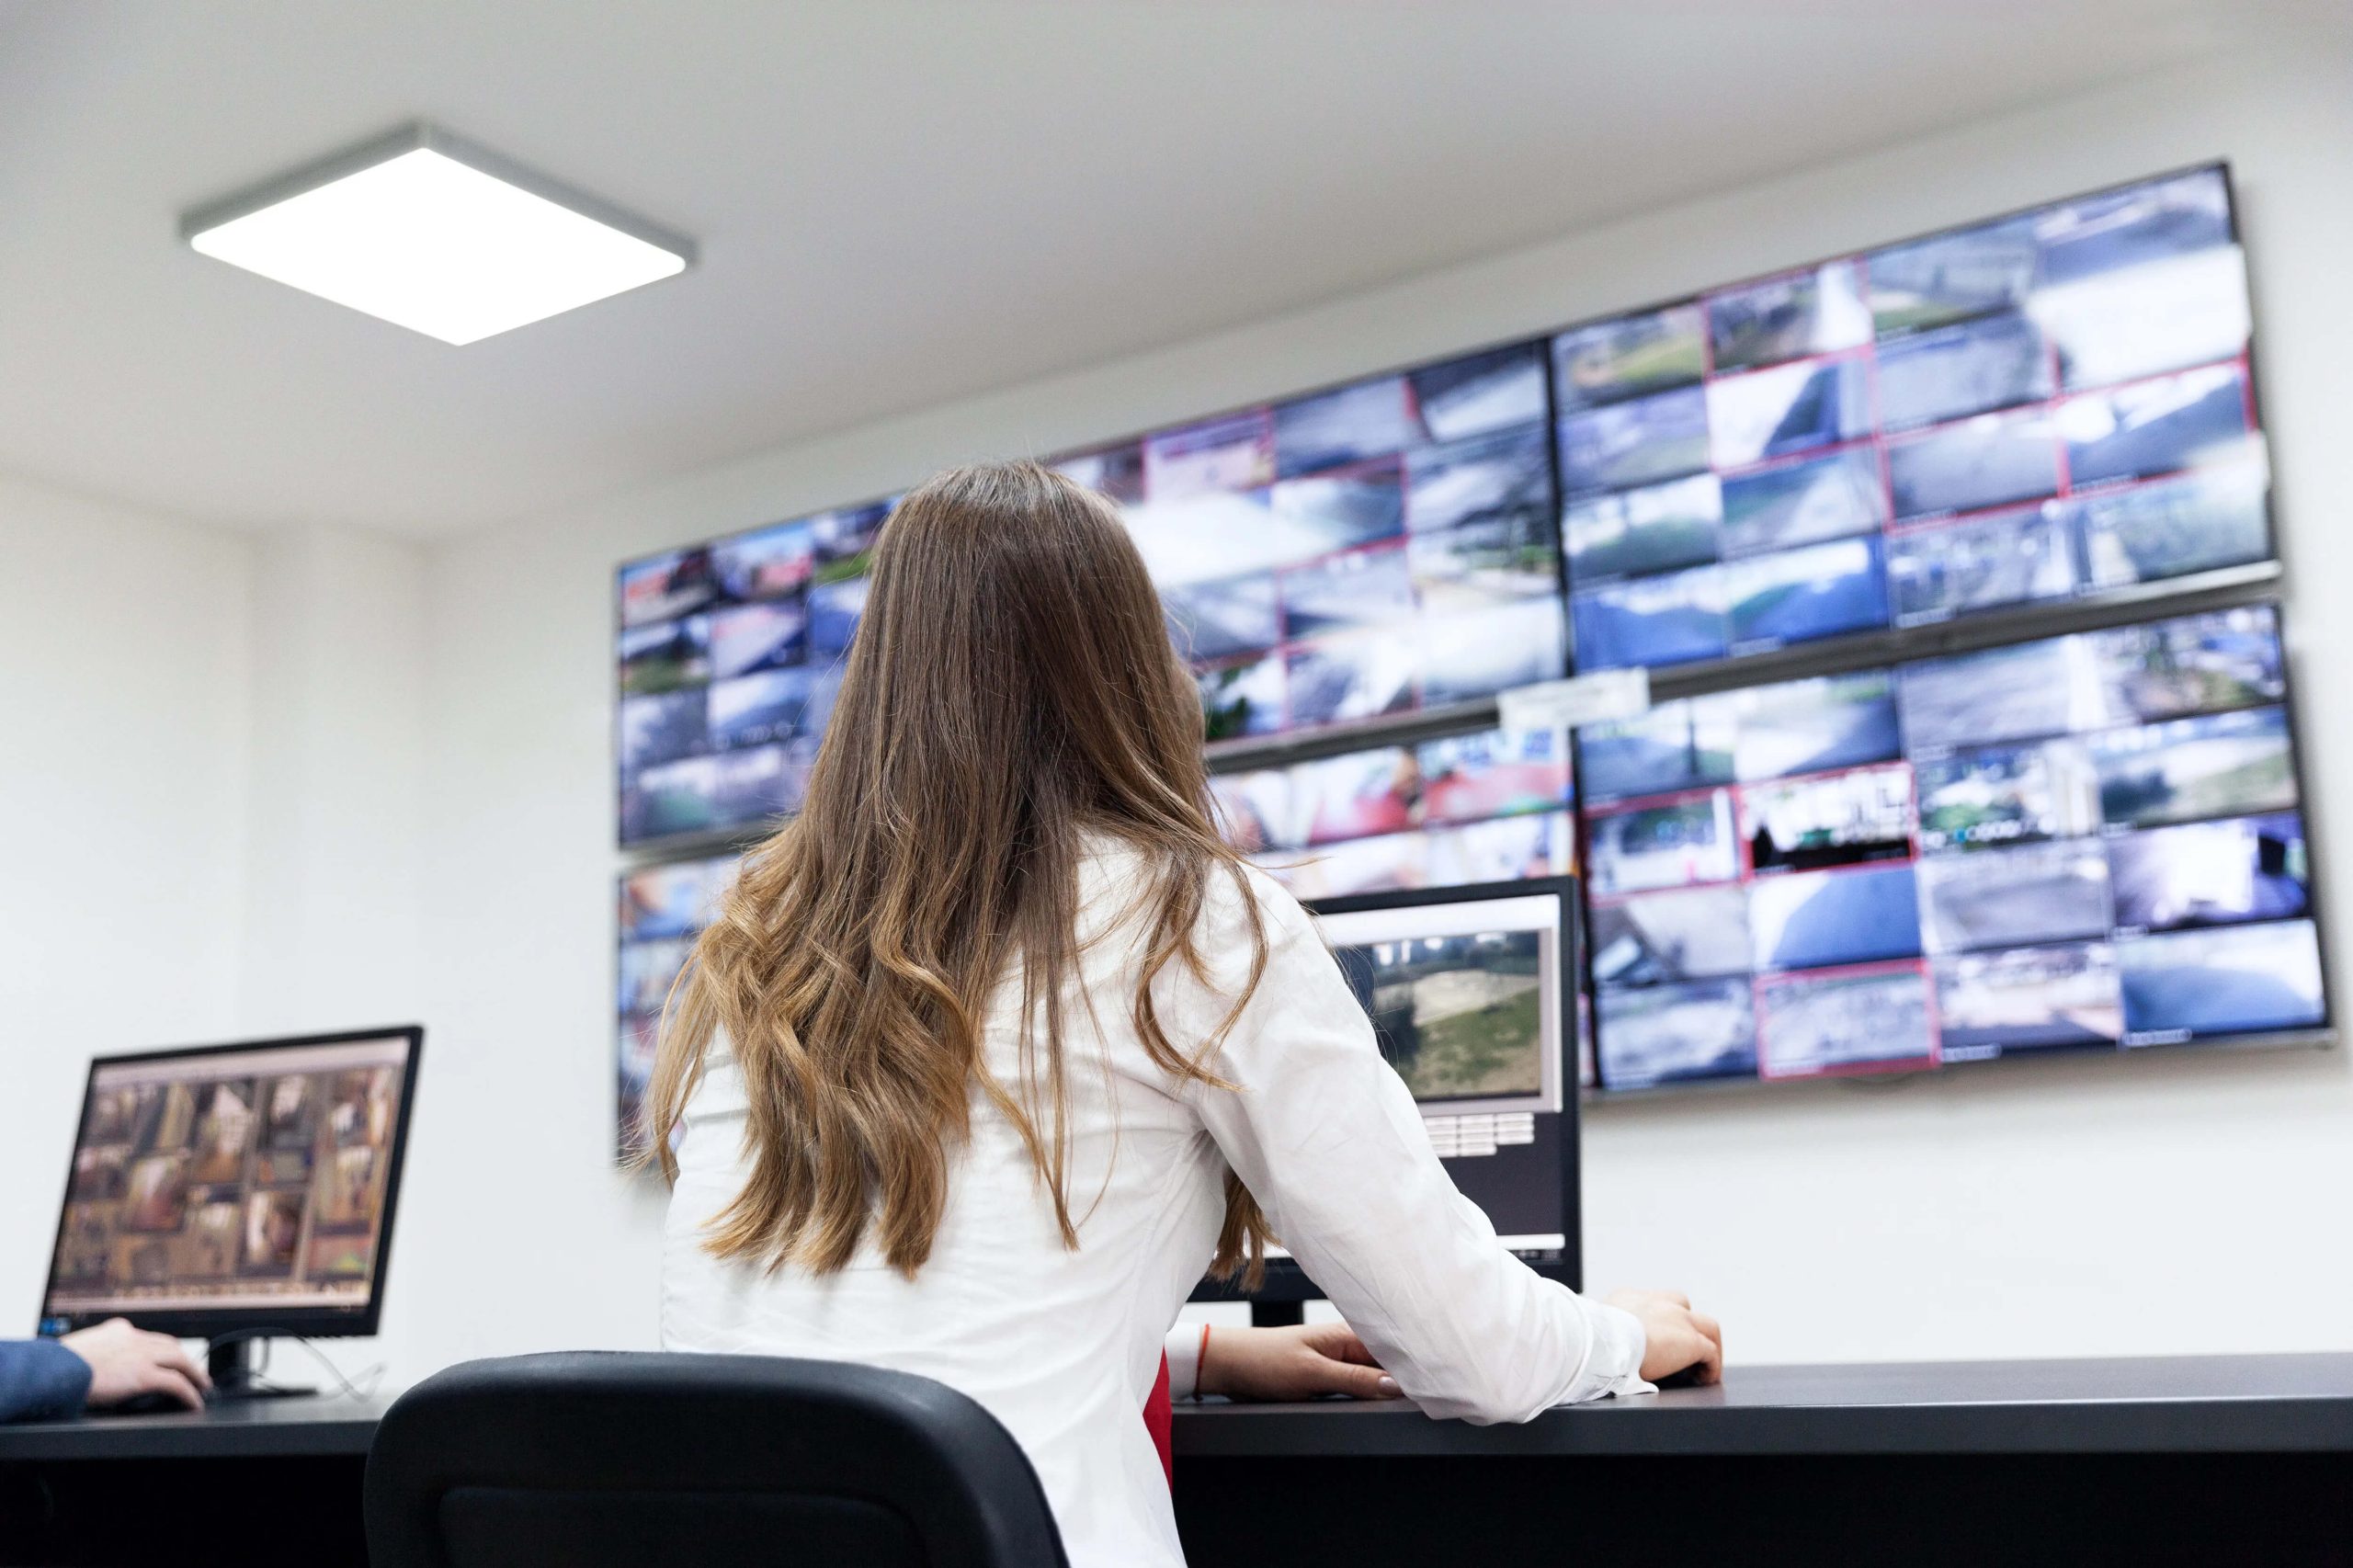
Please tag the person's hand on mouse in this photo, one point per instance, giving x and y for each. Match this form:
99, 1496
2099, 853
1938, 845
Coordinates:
126, 1362
1677, 1339
1304, 1361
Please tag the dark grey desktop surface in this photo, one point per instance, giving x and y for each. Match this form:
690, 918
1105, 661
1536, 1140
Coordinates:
252, 1428
2175, 1404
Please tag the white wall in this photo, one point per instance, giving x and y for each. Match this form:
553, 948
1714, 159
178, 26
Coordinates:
2164, 1203
123, 729
211, 795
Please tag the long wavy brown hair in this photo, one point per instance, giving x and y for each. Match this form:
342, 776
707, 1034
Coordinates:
1011, 689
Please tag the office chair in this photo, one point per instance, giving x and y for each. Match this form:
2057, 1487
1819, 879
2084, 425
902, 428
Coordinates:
613, 1460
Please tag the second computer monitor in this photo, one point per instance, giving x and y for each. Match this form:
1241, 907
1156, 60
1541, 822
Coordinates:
236, 1190
1471, 993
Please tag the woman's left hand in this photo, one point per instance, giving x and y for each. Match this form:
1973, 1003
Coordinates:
1307, 1361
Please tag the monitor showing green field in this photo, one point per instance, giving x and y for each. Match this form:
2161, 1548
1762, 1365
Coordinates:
1459, 1016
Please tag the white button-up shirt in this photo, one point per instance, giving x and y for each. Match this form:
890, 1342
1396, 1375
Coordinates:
1063, 1345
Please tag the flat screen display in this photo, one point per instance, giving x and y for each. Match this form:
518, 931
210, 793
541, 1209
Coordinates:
228, 1183
1488, 807
663, 909
2088, 841
1471, 994
1354, 554
730, 656
2024, 410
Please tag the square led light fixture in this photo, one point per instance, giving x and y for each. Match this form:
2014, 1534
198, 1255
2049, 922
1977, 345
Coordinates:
435, 233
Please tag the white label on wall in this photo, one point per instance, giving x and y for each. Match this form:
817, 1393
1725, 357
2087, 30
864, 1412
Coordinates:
1580, 699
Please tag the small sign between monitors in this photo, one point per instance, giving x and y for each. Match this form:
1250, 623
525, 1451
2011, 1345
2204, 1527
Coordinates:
1578, 700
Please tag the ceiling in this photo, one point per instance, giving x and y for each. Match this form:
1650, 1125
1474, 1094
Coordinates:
898, 204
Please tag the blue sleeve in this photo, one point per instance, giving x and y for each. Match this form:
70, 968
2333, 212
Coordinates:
41, 1379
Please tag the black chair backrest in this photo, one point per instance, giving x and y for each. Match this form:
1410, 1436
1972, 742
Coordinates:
614, 1459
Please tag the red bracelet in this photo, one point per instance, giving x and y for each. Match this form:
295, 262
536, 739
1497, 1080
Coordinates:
1200, 1362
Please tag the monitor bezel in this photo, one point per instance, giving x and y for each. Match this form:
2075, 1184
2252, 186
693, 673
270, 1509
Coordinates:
1286, 1280
205, 1323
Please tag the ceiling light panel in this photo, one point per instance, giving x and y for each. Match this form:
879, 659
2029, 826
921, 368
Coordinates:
439, 235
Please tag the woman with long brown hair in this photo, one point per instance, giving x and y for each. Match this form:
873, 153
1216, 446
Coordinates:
996, 1047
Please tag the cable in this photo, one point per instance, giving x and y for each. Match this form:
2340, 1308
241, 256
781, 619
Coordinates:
370, 1378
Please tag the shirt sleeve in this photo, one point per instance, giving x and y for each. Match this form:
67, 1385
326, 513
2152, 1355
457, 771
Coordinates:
1184, 1352
1327, 1138
41, 1379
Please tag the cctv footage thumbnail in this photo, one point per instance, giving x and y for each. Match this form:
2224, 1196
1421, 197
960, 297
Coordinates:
1460, 1017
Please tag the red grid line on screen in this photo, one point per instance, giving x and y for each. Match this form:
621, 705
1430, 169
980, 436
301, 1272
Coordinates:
1879, 416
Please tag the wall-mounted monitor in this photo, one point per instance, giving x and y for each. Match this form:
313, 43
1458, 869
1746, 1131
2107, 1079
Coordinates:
663, 909
1486, 807
2024, 410
2088, 841
730, 656
1355, 555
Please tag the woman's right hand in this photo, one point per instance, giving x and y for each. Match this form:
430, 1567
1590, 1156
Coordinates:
1676, 1338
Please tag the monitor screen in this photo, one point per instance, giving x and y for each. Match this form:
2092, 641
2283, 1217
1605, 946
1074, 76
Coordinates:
2023, 410
729, 657
1485, 807
2088, 841
662, 910
236, 1186
1471, 994
1357, 553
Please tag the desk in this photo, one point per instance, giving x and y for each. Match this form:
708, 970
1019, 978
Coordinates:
255, 1481
2206, 1459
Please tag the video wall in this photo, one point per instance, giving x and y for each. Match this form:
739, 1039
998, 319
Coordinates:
2088, 840
1786, 880
2048, 404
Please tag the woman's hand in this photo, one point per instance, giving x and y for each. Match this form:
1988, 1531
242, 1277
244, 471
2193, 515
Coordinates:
1304, 1362
1677, 1339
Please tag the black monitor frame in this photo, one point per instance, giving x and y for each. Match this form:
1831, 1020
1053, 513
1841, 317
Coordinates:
1286, 1285
252, 1323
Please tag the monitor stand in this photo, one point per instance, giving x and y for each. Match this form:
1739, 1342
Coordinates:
1277, 1314
231, 1364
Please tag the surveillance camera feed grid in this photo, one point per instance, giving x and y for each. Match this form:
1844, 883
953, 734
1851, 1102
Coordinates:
231, 1180
1358, 553
2024, 410
662, 909
2092, 840
729, 657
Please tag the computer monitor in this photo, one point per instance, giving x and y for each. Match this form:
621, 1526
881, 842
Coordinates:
236, 1192
1472, 996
